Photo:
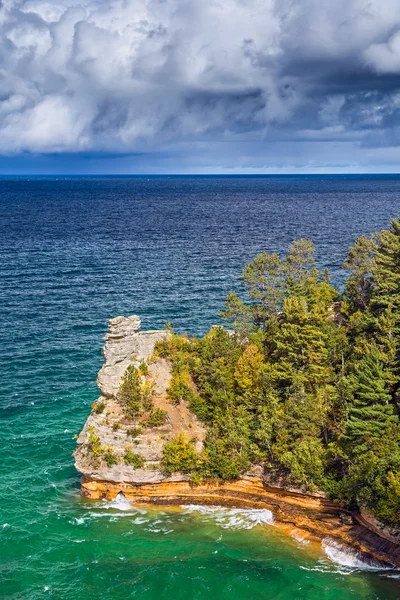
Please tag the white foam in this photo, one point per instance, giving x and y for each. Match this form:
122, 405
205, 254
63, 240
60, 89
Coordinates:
232, 518
119, 504
345, 556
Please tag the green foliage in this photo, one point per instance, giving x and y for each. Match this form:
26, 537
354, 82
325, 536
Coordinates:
94, 444
110, 457
308, 382
98, 407
179, 455
361, 264
143, 367
156, 418
134, 431
135, 460
370, 413
179, 388
130, 392
135, 396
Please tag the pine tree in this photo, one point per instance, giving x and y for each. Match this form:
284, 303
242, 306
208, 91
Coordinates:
361, 264
385, 301
371, 414
387, 273
264, 280
301, 273
130, 392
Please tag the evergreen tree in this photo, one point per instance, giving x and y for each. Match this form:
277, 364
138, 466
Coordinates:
301, 273
130, 392
387, 273
264, 281
361, 264
371, 414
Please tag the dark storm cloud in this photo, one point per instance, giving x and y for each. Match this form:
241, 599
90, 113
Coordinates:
135, 76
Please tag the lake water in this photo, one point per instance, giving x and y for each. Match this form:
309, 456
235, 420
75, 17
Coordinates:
78, 251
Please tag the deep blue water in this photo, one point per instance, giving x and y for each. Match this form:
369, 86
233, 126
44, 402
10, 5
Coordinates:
75, 252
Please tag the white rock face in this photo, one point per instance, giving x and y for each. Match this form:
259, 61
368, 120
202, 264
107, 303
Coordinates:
124, 345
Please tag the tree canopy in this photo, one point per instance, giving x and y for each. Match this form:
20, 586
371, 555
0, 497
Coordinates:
305, 380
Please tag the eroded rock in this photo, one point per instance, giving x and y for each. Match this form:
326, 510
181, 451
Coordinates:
124, 345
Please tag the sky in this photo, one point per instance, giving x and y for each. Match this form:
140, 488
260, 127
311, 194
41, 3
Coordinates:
200, 86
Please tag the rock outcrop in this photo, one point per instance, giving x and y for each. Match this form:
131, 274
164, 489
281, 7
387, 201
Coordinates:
124, 345
310, 515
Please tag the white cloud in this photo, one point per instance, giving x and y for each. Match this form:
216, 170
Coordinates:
138, 75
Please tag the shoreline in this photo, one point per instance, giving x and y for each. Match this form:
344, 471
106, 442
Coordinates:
312, 517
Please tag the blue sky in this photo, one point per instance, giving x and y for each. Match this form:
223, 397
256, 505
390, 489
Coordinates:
183, 86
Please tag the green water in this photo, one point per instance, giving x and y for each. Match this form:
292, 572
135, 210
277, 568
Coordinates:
76, 252
96, 550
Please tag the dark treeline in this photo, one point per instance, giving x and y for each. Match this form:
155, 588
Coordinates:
308, 381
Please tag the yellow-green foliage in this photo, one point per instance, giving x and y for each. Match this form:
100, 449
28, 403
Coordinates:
110, 457
248, 368
308, 388
132, 459
171, 343
98, 407
94, 442
156, 418
179, 455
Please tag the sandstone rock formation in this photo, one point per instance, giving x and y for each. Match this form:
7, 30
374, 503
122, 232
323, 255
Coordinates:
125, 344
294, 509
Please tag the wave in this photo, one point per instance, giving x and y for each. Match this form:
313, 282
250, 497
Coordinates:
347, 557
232, 518
118, 503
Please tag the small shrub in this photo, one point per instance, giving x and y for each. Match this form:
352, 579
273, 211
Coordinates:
95, 446
147, 395
116, 426
110, 457
143, 367
195, 479
98, 407
134, 431
135, 460
156, 418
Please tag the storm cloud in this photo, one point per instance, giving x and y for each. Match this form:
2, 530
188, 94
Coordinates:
249, 83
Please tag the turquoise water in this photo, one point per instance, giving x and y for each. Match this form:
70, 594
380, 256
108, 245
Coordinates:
75, 252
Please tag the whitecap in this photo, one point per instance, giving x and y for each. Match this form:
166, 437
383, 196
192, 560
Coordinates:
122, 504
232, 518
347, 557
119, 503
140, 521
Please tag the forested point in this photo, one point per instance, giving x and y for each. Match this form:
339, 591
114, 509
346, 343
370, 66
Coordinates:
306, 379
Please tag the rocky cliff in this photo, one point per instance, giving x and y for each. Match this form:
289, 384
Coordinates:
293, 509
124, 345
